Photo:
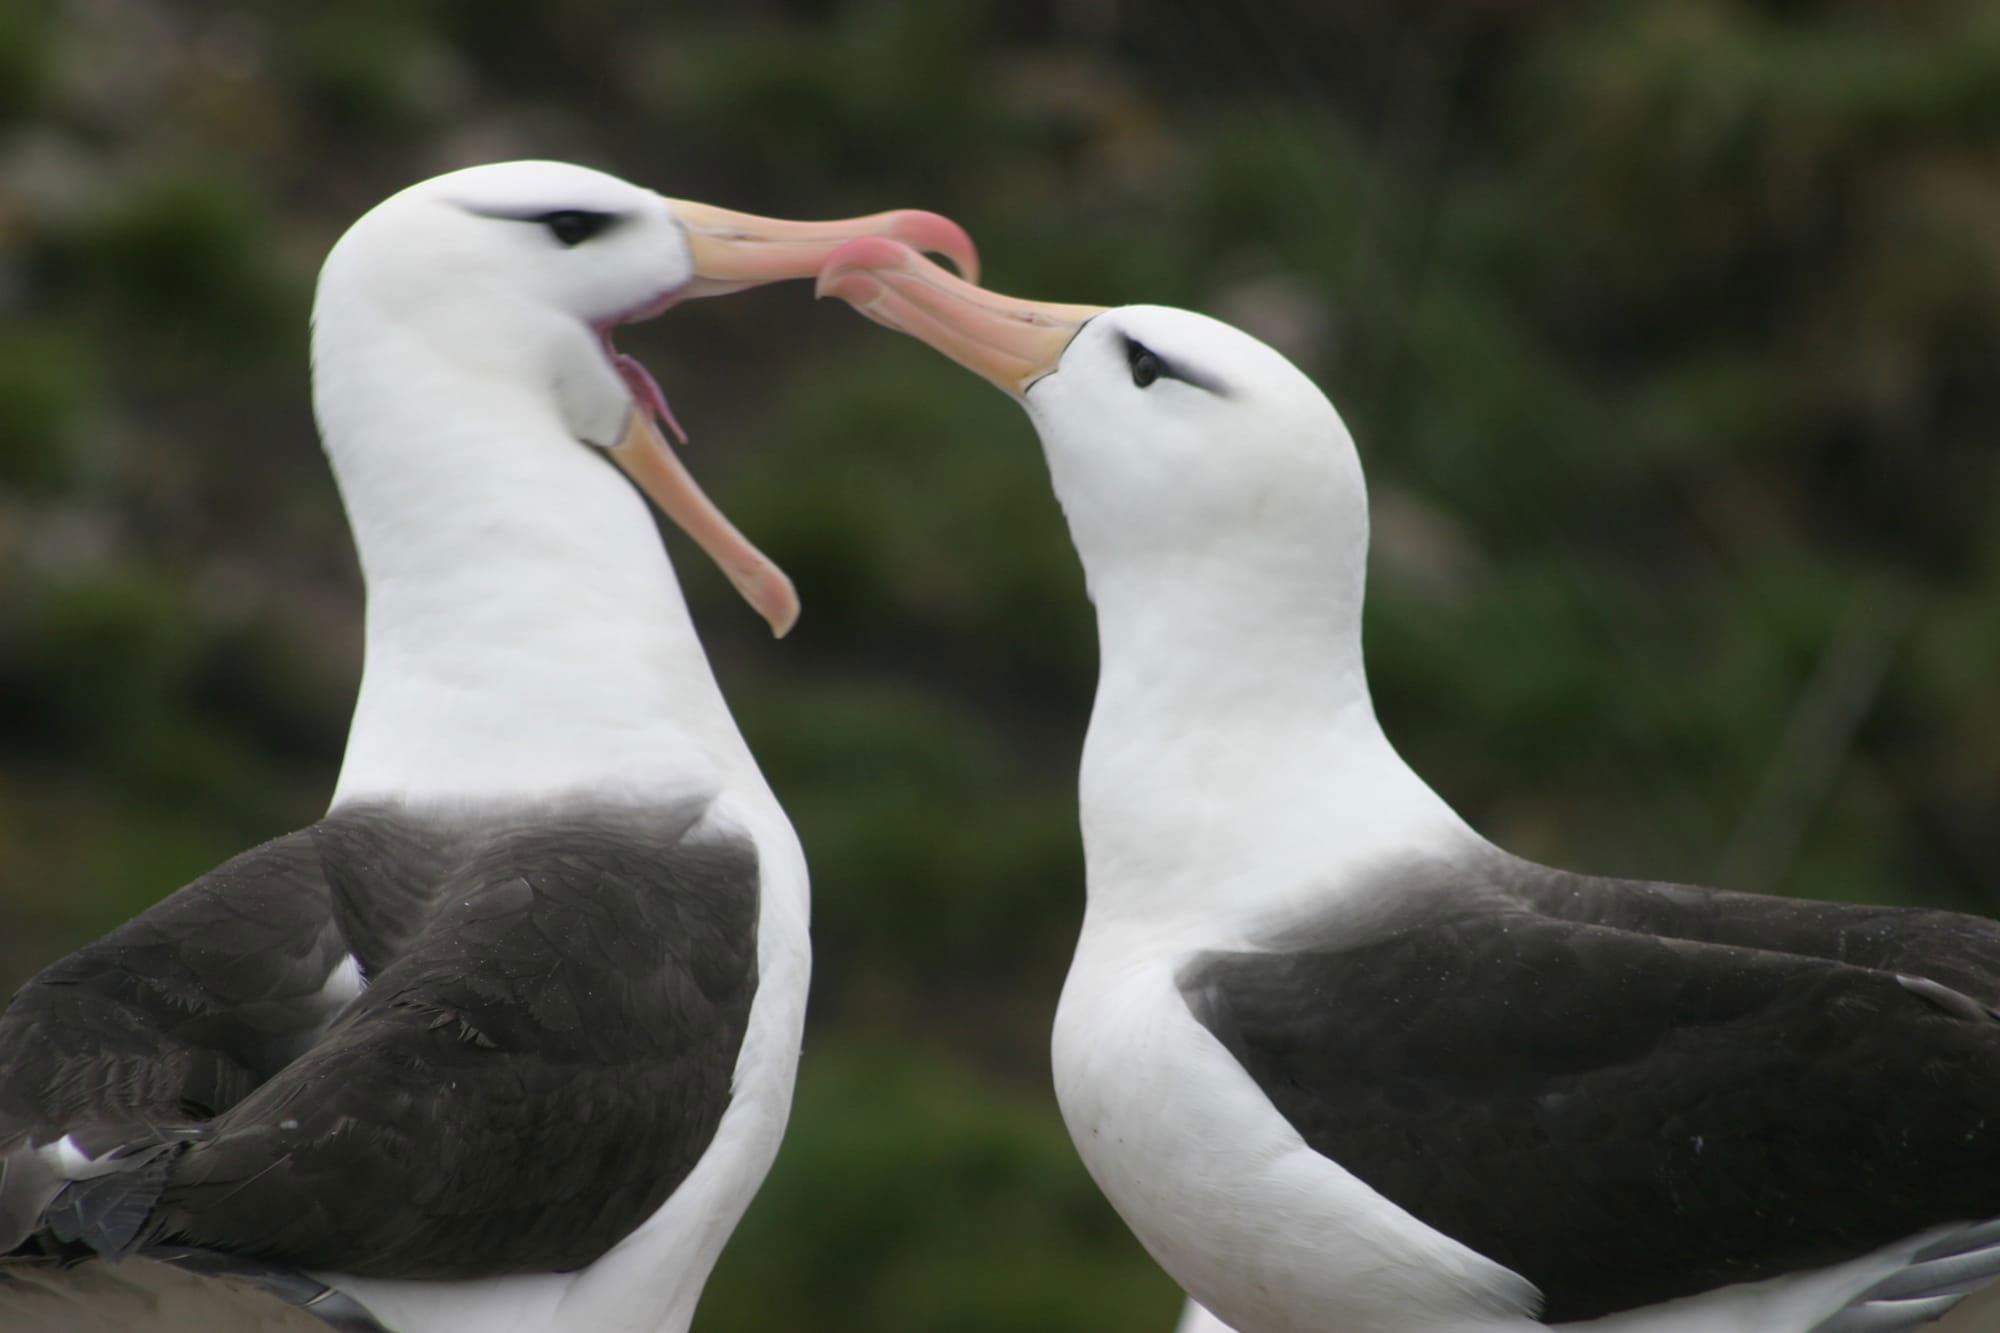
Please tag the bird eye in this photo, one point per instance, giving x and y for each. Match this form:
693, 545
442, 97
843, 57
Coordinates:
573, 226
1146, 367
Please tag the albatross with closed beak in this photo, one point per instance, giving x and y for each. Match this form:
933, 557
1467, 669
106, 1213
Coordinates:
1341, 1063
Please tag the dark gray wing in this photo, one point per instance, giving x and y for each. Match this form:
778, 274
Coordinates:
384, 867
177, 1014
174, 1016
1619, 1117
523, 1085
133, 1040
1960, 951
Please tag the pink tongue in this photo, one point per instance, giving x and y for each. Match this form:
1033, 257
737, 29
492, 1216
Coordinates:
647, 390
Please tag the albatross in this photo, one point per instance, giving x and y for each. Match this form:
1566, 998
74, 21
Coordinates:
1343, 1064
504, 1043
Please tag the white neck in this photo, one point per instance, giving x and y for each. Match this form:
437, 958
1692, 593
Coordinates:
525, 632
1234, 742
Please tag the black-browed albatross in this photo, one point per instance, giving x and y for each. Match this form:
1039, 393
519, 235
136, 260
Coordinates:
504, 1043
1341, 1063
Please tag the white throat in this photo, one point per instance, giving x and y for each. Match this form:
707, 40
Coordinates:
525, 632
1233, 743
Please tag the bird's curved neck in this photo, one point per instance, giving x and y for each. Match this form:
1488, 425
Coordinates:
1233, 740
525, 632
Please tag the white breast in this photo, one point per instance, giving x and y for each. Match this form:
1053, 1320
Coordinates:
1223, 1192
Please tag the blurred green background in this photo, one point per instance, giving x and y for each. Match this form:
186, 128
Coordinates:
1668, 329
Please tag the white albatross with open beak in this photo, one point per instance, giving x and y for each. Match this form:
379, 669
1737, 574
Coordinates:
505, 1042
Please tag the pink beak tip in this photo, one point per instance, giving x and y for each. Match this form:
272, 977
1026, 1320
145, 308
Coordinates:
933, 233
867, 252
851, 271
858, 289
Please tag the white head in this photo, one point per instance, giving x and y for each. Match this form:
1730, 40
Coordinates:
508, 279
1174, 437
1218, 506
1186, 454
503, 262
524, 626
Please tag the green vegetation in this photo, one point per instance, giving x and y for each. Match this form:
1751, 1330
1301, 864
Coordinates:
1669, 336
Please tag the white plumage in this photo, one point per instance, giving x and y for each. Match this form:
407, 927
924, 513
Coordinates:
530, 662
1290, 936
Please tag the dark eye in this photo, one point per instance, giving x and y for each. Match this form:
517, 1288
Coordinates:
573, 226
1146, 367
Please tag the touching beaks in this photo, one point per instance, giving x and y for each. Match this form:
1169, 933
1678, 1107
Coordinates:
737, 250
1008, 341
732, 251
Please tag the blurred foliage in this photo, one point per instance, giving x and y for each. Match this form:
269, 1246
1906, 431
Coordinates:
1668, 330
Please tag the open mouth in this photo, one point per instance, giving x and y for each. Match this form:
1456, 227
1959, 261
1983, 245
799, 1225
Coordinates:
639, 381
651, 462
728, 252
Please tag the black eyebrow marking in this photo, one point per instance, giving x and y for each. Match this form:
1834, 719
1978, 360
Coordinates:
1171, 370
593, 221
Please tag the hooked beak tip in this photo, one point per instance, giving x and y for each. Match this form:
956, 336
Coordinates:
858, 288
850, 273
778, 601
934, 233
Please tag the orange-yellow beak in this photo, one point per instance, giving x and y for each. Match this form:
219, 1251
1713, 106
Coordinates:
1006, 340
733, 251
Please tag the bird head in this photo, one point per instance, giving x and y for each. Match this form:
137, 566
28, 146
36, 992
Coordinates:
517, 274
